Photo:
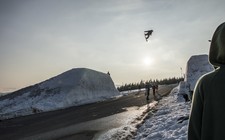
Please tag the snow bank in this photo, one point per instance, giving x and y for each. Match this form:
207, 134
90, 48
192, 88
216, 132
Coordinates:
74, 87
197, 66
169, 122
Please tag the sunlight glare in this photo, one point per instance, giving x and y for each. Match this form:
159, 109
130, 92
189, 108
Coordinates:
147, 61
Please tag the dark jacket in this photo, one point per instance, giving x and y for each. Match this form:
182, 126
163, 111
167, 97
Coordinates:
207, 118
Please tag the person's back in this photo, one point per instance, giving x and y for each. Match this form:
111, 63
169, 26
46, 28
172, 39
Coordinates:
207, 119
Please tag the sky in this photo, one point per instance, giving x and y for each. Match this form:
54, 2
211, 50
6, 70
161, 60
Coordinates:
40, 39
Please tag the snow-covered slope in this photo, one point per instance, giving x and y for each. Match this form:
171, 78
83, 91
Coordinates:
71, 88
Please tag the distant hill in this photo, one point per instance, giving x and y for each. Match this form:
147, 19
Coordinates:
71, 88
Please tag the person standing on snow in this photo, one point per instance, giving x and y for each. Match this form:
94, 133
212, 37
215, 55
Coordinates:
156, 89
147, 86
153, 91
207, 118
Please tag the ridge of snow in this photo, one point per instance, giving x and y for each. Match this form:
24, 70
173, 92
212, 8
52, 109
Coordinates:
71, 88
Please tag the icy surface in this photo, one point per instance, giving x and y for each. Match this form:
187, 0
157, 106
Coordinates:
131, 91
128, 123
115, 127
74, 87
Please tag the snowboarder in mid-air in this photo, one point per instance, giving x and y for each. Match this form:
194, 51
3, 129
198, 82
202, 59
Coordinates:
148, 34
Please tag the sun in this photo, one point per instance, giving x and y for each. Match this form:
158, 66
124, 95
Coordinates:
147, 61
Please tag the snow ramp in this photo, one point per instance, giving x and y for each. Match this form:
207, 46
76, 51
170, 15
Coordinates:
71, 88
197, 66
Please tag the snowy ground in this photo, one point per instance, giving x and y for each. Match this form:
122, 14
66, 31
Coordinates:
128, 126
131, 91
168, 122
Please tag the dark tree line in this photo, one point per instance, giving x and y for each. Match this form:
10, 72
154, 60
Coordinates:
141, 84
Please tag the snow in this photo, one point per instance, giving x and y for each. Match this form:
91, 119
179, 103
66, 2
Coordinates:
74, 87
131, 91
165, 124
170, 121
197, 66
130, 120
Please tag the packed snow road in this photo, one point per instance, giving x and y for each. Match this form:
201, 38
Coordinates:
35, 125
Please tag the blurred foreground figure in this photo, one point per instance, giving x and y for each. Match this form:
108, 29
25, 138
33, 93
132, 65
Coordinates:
207, 118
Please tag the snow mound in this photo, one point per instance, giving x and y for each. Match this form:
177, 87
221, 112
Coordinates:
71, 88
170, 122
197, 66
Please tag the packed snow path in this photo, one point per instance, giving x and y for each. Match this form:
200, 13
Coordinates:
33, 125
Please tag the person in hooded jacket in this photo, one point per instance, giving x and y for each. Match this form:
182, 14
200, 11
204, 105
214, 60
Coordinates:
207, 118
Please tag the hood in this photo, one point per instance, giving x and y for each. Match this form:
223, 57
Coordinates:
217, 47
